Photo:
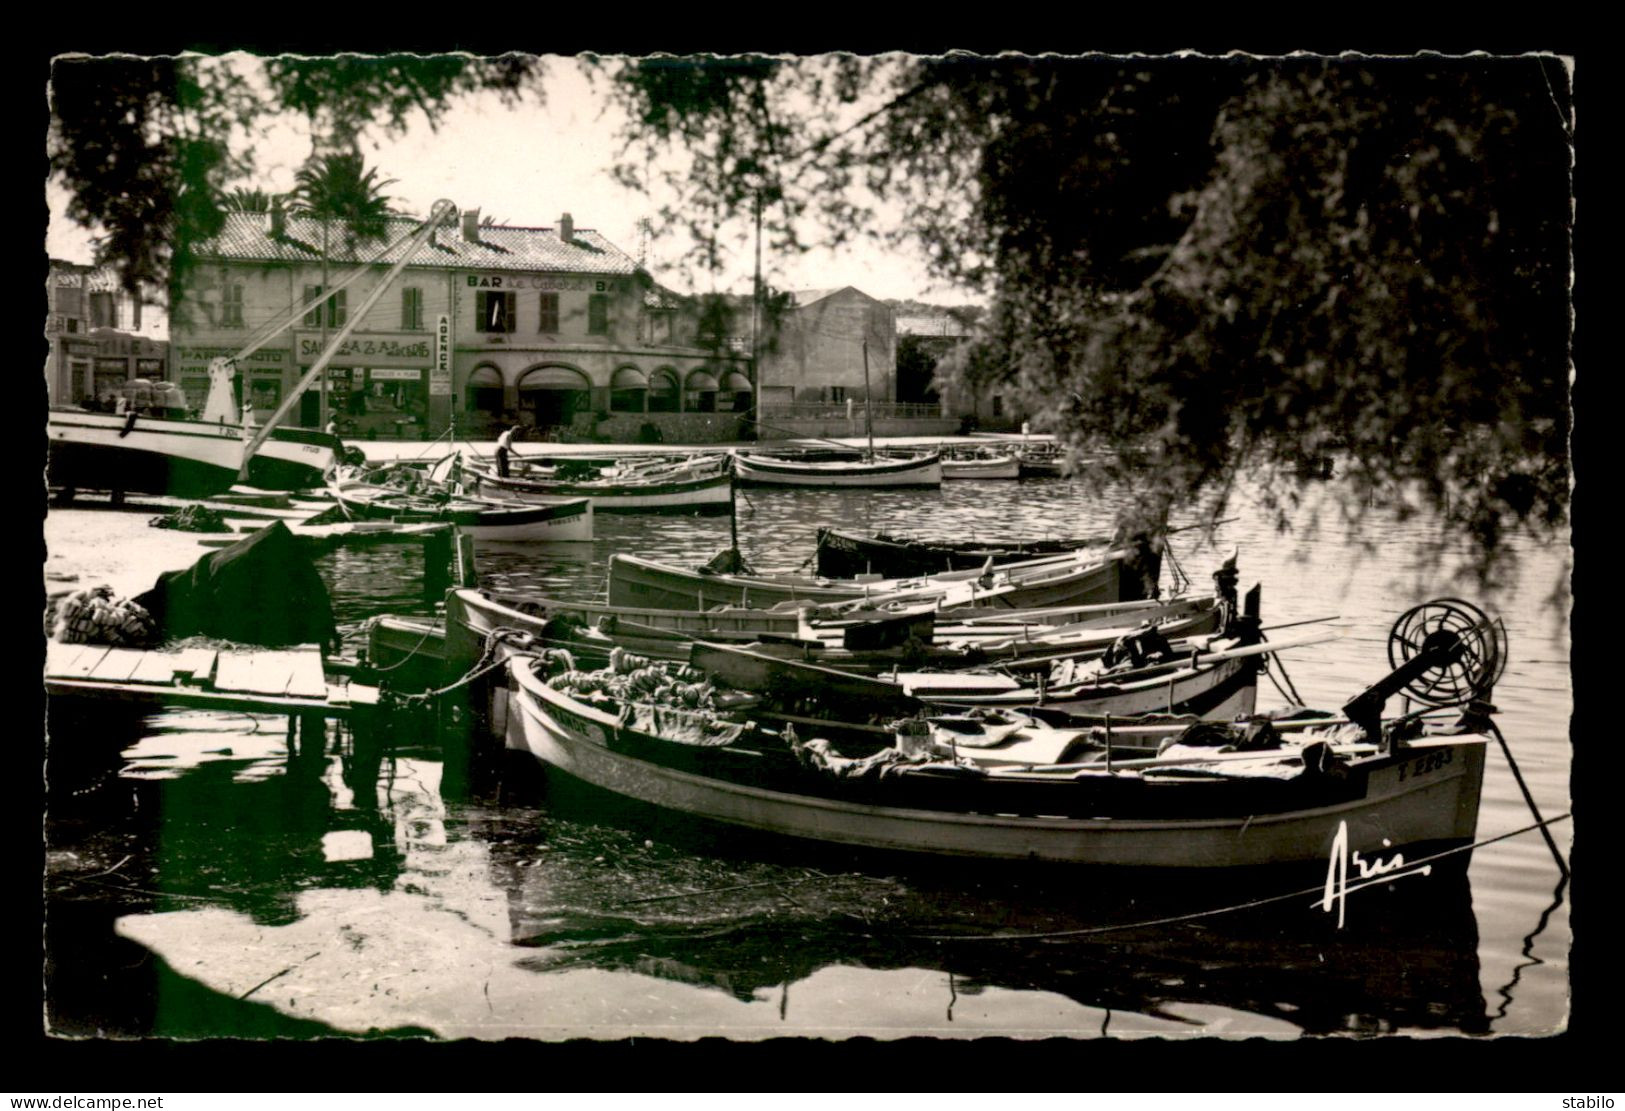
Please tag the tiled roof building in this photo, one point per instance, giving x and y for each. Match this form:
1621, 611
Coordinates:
553, 327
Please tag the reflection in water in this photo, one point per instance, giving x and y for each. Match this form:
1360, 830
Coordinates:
205, 879
1407, 959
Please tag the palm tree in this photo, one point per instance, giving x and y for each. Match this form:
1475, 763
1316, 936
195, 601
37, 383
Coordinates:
249, 200
340, 187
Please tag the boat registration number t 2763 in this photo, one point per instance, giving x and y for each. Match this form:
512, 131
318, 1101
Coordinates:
1430, 762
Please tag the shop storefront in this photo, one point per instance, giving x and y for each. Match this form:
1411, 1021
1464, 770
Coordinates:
265, 375
378, 387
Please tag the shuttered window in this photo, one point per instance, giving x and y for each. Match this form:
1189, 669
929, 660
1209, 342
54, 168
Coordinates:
101, 311
495, 311
598, 314
549, 313
336, 314
411, 308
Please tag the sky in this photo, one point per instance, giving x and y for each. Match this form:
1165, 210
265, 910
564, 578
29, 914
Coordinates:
526, 165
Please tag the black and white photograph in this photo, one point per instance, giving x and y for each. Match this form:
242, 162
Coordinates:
826, 546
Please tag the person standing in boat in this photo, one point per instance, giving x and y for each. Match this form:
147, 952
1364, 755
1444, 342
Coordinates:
504, 449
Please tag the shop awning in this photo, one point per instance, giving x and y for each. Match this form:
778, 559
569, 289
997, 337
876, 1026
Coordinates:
629, 378
734, 380
485, 377
553, 378
701, 380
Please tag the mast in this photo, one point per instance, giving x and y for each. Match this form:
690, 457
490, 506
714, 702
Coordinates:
442, 211
756, 324
868, 408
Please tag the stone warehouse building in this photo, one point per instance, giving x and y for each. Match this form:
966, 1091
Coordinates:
555, 328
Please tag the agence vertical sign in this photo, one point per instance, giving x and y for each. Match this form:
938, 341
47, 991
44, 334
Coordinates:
440, 373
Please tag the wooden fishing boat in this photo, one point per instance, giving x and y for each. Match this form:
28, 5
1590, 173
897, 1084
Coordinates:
865, 640
1320, 790
980, 465
847, 553
877, 471
1045, 460
687, 487
565, 519
1071, 579
1219, 681
148, 454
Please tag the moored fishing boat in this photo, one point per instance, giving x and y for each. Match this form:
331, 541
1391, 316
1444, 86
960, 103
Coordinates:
1315, 790
699, 487
1042, 460
565, 519
139, 452
1070, 579
865, 639
1218, 680
924, 469
980, 465
847, 553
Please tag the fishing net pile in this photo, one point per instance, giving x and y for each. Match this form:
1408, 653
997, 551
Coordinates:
820, 755
192, 518
675, 703
98, 616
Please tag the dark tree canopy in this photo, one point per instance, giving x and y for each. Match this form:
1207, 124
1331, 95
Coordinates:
149, 148
1217, 266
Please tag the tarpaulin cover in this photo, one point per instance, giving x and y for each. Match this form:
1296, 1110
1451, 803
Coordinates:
262, 590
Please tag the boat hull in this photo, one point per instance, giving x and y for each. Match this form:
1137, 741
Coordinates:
1387, 809
634, 581
153, 455
706, 494
565, 520
1002, 467
842, 554
1222, 690
755, 470
471, 618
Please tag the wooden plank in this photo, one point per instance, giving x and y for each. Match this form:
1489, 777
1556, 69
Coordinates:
351, 694
234, 671
116, 666
195, 662
308, 679
152, 695
82, 663
267, 673
272, 671
59, 657
155, 667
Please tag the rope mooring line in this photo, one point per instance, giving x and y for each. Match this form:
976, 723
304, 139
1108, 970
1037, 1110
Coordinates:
1172, 919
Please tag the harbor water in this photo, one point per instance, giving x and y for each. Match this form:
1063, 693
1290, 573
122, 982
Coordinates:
202, 883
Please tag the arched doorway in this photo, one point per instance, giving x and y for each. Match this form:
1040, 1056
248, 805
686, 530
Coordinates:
485, 393
734, 394
628, 390
663, 395
700, 392
553, 395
